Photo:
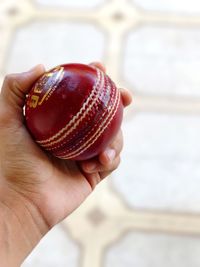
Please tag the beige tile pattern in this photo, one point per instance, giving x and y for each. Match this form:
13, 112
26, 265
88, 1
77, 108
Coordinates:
168, 58
53, 43
148, 211
160, 166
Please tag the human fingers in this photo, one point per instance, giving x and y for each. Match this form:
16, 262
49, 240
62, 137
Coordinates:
16, 86
105, 160
126, 97
96, 167
98, 65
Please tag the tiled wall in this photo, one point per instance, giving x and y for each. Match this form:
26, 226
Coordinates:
147, 214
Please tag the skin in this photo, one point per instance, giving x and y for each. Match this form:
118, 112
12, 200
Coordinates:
37, 191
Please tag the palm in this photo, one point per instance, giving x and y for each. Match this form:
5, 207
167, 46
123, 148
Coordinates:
45, 180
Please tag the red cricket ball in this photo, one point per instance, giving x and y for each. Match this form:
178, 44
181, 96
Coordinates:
74, 111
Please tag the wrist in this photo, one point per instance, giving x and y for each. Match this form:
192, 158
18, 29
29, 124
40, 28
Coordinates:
21, 227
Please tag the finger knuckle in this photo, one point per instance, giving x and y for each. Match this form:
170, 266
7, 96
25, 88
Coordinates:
9, 78
9, 83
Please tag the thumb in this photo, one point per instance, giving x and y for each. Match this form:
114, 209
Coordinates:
16, 86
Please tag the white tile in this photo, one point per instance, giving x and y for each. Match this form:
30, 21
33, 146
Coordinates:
71, 3
163, 60
178, 6
54, 43
55, 249
154, 250
160, 166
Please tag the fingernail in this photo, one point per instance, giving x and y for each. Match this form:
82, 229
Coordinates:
110, 153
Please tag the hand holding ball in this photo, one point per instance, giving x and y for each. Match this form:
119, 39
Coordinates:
74, 111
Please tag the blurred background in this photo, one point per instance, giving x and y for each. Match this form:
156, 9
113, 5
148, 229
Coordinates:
147, 214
